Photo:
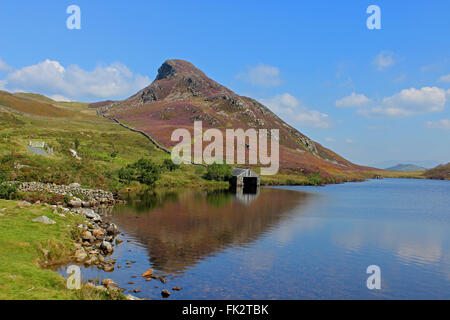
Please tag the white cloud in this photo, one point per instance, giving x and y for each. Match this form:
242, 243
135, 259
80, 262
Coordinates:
50, 77
384, 60
353, 100
329, 139
409, 102
59, 98
288, 107
348, 140
262, 75
4, 66
443, 124
445, 78
282, 103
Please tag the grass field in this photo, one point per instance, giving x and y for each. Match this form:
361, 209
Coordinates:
21, 247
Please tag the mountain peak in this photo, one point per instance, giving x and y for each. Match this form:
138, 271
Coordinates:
175, 67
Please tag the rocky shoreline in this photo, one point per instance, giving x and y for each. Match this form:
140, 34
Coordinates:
94, 240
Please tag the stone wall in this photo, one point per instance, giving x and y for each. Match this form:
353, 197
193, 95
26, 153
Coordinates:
87, 197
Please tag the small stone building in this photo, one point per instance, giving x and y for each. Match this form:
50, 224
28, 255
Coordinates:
243, 177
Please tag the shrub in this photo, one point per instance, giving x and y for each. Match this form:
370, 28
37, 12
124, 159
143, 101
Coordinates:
143, 171
315, 179
169, 165
8, 191
219, 172
76, 143
2, 175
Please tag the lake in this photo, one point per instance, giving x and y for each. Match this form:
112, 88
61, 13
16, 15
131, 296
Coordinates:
289, 242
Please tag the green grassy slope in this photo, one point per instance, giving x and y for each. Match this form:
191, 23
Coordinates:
21, 247
104, 148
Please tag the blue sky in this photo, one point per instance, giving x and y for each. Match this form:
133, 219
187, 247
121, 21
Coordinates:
370, 95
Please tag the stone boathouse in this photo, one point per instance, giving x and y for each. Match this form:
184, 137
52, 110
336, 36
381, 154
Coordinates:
243, 177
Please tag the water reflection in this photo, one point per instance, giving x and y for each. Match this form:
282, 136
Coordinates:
179, 229
246, 194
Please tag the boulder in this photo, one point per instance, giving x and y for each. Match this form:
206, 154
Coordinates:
23, 204
80, 255
110, 284
86, 235
97, 232
106, 247
165, 293
86, 204
75, 203
112, 229
44, 220
90, 214
108, 268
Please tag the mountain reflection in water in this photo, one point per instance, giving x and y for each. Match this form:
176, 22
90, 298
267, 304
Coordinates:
180, 229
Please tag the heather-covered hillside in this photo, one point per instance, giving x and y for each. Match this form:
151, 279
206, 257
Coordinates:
182, 94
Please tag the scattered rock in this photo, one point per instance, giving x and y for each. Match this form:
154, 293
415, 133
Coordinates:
148, 273
108, 268
90, 214
80, 255
74, 185
106, 247
162, 279
44, 219
97, 232
86, 204
86, 235
119, 241
91, 261
176, 288
110, 284
136, 290
75, 203
23, 204
165, 293
112, 229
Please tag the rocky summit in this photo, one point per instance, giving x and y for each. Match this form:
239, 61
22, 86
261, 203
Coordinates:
182, 94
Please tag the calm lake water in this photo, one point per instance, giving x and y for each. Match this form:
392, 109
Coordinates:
289, 242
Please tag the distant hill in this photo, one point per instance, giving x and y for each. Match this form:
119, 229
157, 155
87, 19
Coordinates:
441, 172
427, 164
36, 105
406, 167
